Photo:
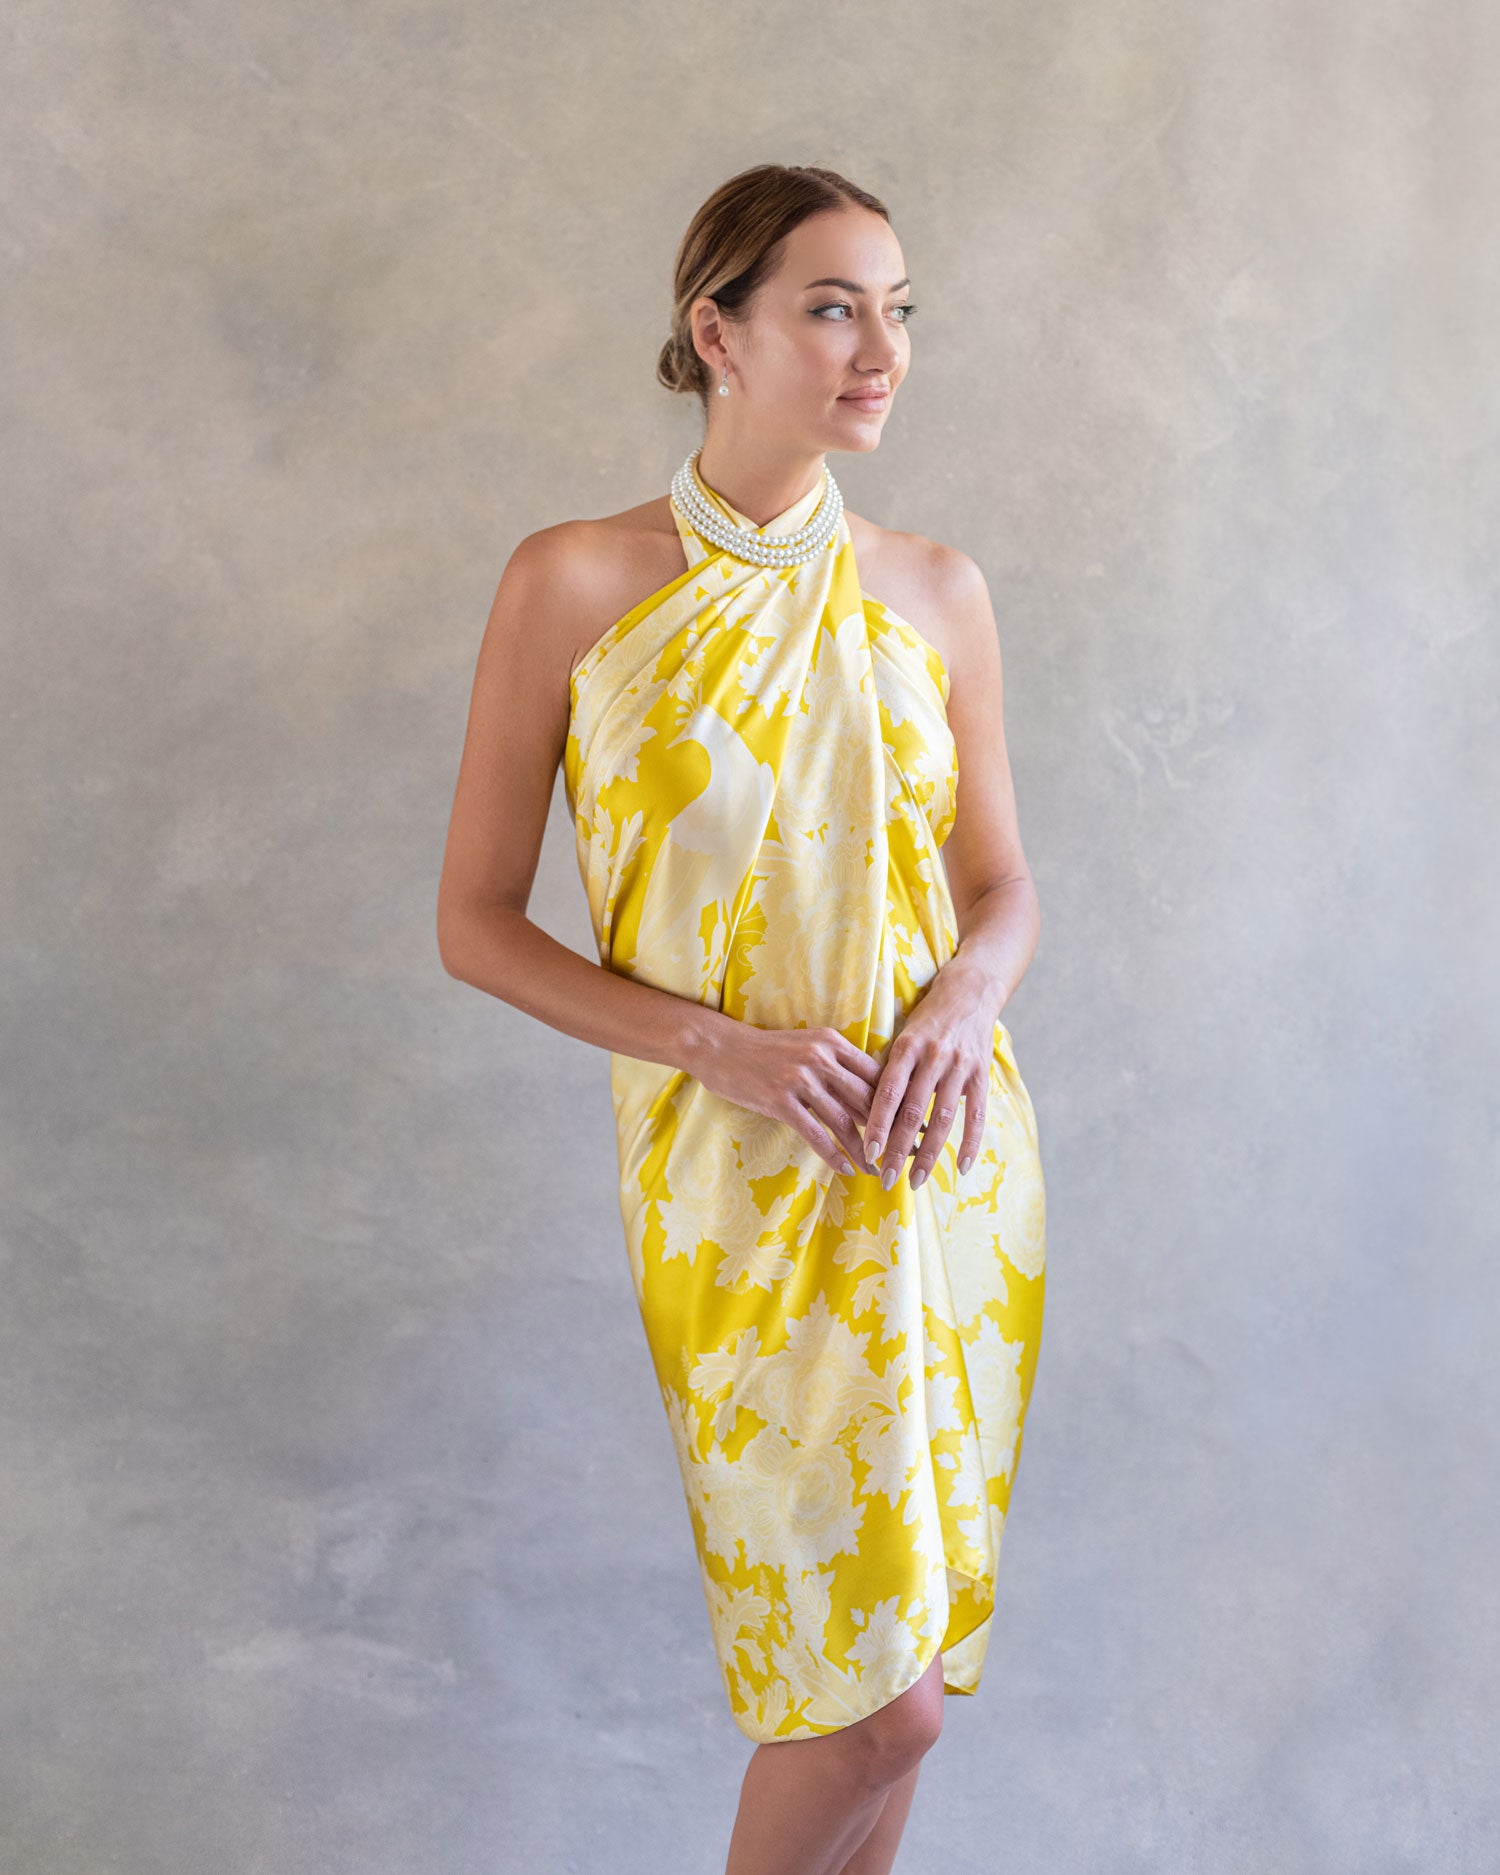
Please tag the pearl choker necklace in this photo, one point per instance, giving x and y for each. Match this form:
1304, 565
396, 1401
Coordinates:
754, 544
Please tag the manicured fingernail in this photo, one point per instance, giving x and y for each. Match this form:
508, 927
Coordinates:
888, 1176
917, 1177
965, 1162
872, 1150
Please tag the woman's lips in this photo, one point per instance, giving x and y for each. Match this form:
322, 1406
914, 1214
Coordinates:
867, 400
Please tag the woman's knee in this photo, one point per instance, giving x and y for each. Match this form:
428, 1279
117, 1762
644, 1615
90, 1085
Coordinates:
886, 1744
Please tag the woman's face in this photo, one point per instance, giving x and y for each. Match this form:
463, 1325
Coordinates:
829, 327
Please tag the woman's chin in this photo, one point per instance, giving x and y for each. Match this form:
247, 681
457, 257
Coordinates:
860, 429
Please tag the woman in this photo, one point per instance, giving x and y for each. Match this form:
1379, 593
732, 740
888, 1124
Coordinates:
762, 705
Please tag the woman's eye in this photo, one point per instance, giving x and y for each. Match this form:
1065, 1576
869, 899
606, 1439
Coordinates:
906, 309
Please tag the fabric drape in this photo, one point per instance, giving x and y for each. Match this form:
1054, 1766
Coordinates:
761, 777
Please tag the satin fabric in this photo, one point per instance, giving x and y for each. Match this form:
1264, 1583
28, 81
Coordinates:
761, 776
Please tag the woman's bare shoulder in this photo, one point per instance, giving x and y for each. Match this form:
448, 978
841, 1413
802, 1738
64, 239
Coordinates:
927, 583
580, 576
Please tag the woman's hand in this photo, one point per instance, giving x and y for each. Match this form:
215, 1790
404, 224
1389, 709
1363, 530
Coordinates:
943, 1051
812, 1079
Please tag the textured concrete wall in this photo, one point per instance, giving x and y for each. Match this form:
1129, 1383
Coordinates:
342, 1531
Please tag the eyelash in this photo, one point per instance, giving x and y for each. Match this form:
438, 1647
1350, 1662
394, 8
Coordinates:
905, 307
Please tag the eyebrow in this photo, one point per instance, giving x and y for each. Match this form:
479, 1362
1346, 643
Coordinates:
851, 286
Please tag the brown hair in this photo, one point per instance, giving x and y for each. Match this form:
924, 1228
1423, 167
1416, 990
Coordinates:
733, 243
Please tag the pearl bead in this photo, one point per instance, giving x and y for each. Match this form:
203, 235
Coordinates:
754, 544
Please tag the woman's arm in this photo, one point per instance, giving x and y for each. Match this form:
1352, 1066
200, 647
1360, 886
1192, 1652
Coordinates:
994, 896
943, 1053
814, 1080
517, 730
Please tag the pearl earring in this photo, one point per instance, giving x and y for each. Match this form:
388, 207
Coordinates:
724, 383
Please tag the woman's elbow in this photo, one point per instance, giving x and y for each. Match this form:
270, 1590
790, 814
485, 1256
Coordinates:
452, 934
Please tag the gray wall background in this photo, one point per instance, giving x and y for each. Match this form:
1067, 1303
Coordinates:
342, 1531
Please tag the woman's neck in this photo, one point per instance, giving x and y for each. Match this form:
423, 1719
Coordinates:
761, 483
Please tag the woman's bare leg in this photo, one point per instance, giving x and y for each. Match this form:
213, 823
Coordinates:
876, 1855
808, 1804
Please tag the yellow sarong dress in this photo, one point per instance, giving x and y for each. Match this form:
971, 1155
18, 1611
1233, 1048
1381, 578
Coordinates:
761, 774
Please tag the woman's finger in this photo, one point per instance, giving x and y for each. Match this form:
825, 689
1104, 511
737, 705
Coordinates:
916, 1076
888, 1096
855, 1093
976, 1095
910, 1115
835, 1117
816, 1129
807, 1126
855, 1060
944, 1107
